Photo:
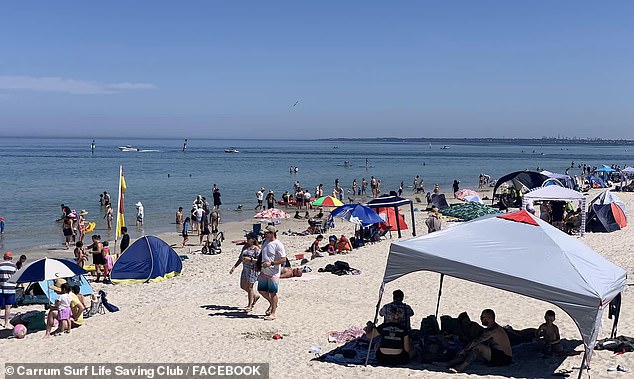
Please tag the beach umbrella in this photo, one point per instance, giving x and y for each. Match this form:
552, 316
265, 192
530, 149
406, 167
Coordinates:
460, 194
357, 213
47, 269
272, 213
327, 201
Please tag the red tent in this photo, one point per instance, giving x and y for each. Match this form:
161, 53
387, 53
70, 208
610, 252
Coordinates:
388, 215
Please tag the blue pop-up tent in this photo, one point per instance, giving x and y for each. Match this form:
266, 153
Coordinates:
148, 259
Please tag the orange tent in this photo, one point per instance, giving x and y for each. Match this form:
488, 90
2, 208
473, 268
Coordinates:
388, 215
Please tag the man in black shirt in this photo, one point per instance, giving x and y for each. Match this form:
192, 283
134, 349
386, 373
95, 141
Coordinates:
125, 239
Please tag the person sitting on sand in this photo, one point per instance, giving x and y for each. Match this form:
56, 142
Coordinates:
395, 347
77, 307
468, 330
314, 248
493, 346
433, 221
343, 245
297, 216
320, 214
398, 306
330, 248
548, 334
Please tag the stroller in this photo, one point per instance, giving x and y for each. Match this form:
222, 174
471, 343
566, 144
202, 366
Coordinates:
213, 247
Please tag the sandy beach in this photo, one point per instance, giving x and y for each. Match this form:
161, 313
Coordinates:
197, 316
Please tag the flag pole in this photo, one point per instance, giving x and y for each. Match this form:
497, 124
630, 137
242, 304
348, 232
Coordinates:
118, 229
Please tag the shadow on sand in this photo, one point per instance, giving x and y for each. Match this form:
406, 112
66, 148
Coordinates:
526, 359
228, 311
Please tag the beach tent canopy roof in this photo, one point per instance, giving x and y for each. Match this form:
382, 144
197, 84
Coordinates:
522, 179
388, 201
554, 193
521, 253
628, 170
608, 197
566, 180
148, 259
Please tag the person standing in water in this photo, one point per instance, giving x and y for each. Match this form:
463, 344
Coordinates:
185, 145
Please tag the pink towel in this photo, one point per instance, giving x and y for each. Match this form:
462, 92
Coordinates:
109, 262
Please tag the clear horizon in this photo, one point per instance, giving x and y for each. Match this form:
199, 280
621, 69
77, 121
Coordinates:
405, 69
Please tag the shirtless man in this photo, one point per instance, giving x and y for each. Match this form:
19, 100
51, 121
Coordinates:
493, 346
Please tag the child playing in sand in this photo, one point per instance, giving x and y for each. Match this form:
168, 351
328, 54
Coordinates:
548, 334
314, 248
186, 230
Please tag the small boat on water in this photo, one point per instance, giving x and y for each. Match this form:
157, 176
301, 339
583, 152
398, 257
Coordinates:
128, 148
232, 151
444, 147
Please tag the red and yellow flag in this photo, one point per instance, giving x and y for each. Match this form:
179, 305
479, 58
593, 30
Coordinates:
120, 207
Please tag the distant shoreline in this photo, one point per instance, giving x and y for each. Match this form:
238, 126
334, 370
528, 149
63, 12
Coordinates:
434, 140
493, 141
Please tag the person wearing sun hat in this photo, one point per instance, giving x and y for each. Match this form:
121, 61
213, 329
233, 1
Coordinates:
273, 255
7, 288
433, 221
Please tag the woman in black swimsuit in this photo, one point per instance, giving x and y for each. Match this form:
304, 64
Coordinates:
98, 259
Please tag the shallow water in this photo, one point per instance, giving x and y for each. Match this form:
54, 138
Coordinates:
39, 174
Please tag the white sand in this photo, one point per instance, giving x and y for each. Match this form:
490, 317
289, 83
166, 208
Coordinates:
195, 317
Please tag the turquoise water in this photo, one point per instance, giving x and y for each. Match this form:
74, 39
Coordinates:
39, 174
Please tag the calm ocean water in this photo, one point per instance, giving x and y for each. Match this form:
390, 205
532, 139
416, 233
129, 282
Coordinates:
39, 174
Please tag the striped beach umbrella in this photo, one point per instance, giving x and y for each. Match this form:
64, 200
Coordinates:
272, 213
327, 201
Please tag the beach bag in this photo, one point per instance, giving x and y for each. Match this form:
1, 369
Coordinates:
449, 325
95, 307
106, 304
342, 266
429, 326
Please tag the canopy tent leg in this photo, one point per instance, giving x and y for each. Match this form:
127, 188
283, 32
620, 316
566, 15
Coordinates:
376, 316
584, 365
411, 209
582, 227
442, 277
398, 221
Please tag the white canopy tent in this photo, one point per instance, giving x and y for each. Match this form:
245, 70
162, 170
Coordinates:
557, 193
521, 253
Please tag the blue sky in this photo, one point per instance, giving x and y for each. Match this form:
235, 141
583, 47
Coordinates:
234, 69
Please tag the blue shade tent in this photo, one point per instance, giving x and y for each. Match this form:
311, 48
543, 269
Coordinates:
357, 213
40, 292
605, 169
593, 179
148, 259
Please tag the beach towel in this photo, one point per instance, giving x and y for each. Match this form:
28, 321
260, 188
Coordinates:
349, 334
